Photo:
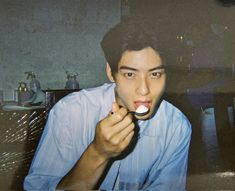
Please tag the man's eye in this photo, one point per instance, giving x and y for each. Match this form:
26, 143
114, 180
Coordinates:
129, 75
156, 74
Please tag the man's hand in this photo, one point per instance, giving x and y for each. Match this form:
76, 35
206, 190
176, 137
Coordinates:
114, 133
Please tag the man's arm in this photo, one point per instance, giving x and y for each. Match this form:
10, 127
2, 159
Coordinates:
113, 135
87, 171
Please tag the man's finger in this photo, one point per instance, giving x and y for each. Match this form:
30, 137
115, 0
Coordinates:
122, 134
117, 116
121, 125
127, 140
115, 107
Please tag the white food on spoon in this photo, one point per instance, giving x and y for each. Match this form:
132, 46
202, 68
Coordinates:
141, 109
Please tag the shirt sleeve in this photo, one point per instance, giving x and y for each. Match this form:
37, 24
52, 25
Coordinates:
171, 173
55, 154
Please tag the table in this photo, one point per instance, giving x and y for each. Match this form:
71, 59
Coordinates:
20, 132
19, 137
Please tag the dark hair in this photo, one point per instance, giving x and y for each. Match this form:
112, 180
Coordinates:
128, 35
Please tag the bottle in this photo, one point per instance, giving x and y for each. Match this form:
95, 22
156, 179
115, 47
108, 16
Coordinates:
22, 87
34, 84
23, 93
72, 82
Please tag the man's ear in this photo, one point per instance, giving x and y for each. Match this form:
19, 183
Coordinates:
109, 73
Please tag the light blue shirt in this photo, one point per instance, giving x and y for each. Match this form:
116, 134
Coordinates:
158, 161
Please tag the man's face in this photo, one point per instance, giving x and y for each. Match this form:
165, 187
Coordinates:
140, 80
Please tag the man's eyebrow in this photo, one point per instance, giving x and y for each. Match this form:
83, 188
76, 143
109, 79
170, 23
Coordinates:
158, 67
127, 68
134, 69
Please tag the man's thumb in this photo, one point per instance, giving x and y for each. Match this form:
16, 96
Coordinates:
115, 107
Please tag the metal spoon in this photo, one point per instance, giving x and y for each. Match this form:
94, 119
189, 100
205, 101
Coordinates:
140, 111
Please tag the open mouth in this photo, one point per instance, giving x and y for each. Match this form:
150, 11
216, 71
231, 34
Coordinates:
147, 104
141, 110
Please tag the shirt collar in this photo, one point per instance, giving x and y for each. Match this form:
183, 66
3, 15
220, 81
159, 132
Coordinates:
147, 127
151, 127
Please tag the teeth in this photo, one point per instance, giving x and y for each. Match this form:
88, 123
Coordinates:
141, 109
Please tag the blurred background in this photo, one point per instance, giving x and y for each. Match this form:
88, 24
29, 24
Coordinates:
56, 42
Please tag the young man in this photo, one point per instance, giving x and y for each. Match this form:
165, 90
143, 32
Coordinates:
92, 141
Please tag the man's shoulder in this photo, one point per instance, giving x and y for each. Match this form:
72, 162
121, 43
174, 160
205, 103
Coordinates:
173, 113
170, 109
106, 89
88, 97
177, 124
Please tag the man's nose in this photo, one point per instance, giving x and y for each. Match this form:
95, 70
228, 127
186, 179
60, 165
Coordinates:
143, 87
